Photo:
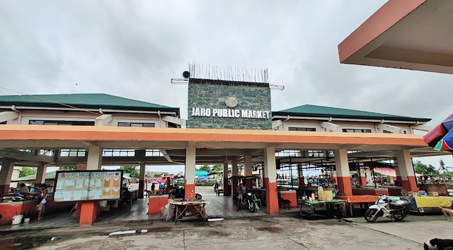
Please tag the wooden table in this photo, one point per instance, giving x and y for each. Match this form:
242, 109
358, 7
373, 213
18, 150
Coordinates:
361, 199
192, 208
341, 205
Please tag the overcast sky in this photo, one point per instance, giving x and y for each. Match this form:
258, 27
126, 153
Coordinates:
133, 48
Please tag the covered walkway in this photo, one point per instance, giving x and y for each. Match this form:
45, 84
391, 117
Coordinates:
219, 207
215, 145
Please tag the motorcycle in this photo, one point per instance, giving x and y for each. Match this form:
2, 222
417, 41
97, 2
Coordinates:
248, 201
396, 211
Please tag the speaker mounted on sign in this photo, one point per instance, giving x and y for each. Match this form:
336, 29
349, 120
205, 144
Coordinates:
186, 74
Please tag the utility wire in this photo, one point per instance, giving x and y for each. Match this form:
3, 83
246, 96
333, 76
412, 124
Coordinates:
48, 100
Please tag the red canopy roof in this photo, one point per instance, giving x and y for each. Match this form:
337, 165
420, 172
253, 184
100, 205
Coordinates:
389, 172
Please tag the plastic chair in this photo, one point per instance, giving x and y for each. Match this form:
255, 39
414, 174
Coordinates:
258, 201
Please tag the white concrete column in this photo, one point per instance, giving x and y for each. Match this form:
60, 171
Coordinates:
40, 175
270, 180
248, 164
405, 171
234, 167
94, 161
103, 120
190, 171
342, 170
5, 176
8, 115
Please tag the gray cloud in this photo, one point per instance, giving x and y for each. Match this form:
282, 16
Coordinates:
133, 48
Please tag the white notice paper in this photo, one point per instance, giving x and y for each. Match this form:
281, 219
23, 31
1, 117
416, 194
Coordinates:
69, 182
79, 184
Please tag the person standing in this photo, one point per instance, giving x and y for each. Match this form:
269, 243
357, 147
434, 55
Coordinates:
153, 187
24, 189
42, 201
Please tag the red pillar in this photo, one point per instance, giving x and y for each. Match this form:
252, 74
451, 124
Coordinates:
344, 184
271, 196
141, 188
301, 182
362, 180
88, 213
226, 190
410, 184
248, 183
235, 186
4, 189
189, 190
78, 210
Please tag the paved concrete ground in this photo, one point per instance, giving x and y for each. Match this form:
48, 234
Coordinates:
267, 232
238, 231
220, 206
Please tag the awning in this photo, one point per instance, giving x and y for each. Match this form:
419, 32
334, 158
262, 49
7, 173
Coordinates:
389, 172
404, 34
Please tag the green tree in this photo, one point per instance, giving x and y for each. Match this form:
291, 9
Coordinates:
68, 168
132, 170
217, 168
205, 168
157, 175
27, 171
421, 168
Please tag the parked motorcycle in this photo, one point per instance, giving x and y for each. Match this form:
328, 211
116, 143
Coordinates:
396, 211
248, 201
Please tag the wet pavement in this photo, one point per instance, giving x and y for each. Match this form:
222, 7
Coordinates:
131, 228
219, 207
272, 232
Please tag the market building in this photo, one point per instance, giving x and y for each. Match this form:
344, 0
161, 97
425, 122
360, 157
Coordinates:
229, 122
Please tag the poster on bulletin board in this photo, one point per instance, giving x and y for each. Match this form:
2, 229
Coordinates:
88, 185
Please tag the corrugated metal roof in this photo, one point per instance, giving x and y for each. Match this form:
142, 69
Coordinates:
93, 100
323, 111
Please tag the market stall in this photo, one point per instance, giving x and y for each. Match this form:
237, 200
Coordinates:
332, 206
358, 199
189, 209
422, 204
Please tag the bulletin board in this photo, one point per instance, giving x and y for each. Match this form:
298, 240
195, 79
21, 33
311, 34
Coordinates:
87, 185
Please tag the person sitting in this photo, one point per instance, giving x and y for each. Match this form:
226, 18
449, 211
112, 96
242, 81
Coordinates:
24, 190
241, 191
126, 197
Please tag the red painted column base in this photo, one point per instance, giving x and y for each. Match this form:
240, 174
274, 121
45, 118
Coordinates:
301, 182
344, 185
235, 186
271, 196
189, 191
248, 184
141, 188
362, 180
4, 189
226, 190
410, 184
88, 213
78, 210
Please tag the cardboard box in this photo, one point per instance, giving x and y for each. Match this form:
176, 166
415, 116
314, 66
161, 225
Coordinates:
413, 194
432, 193
325, 195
